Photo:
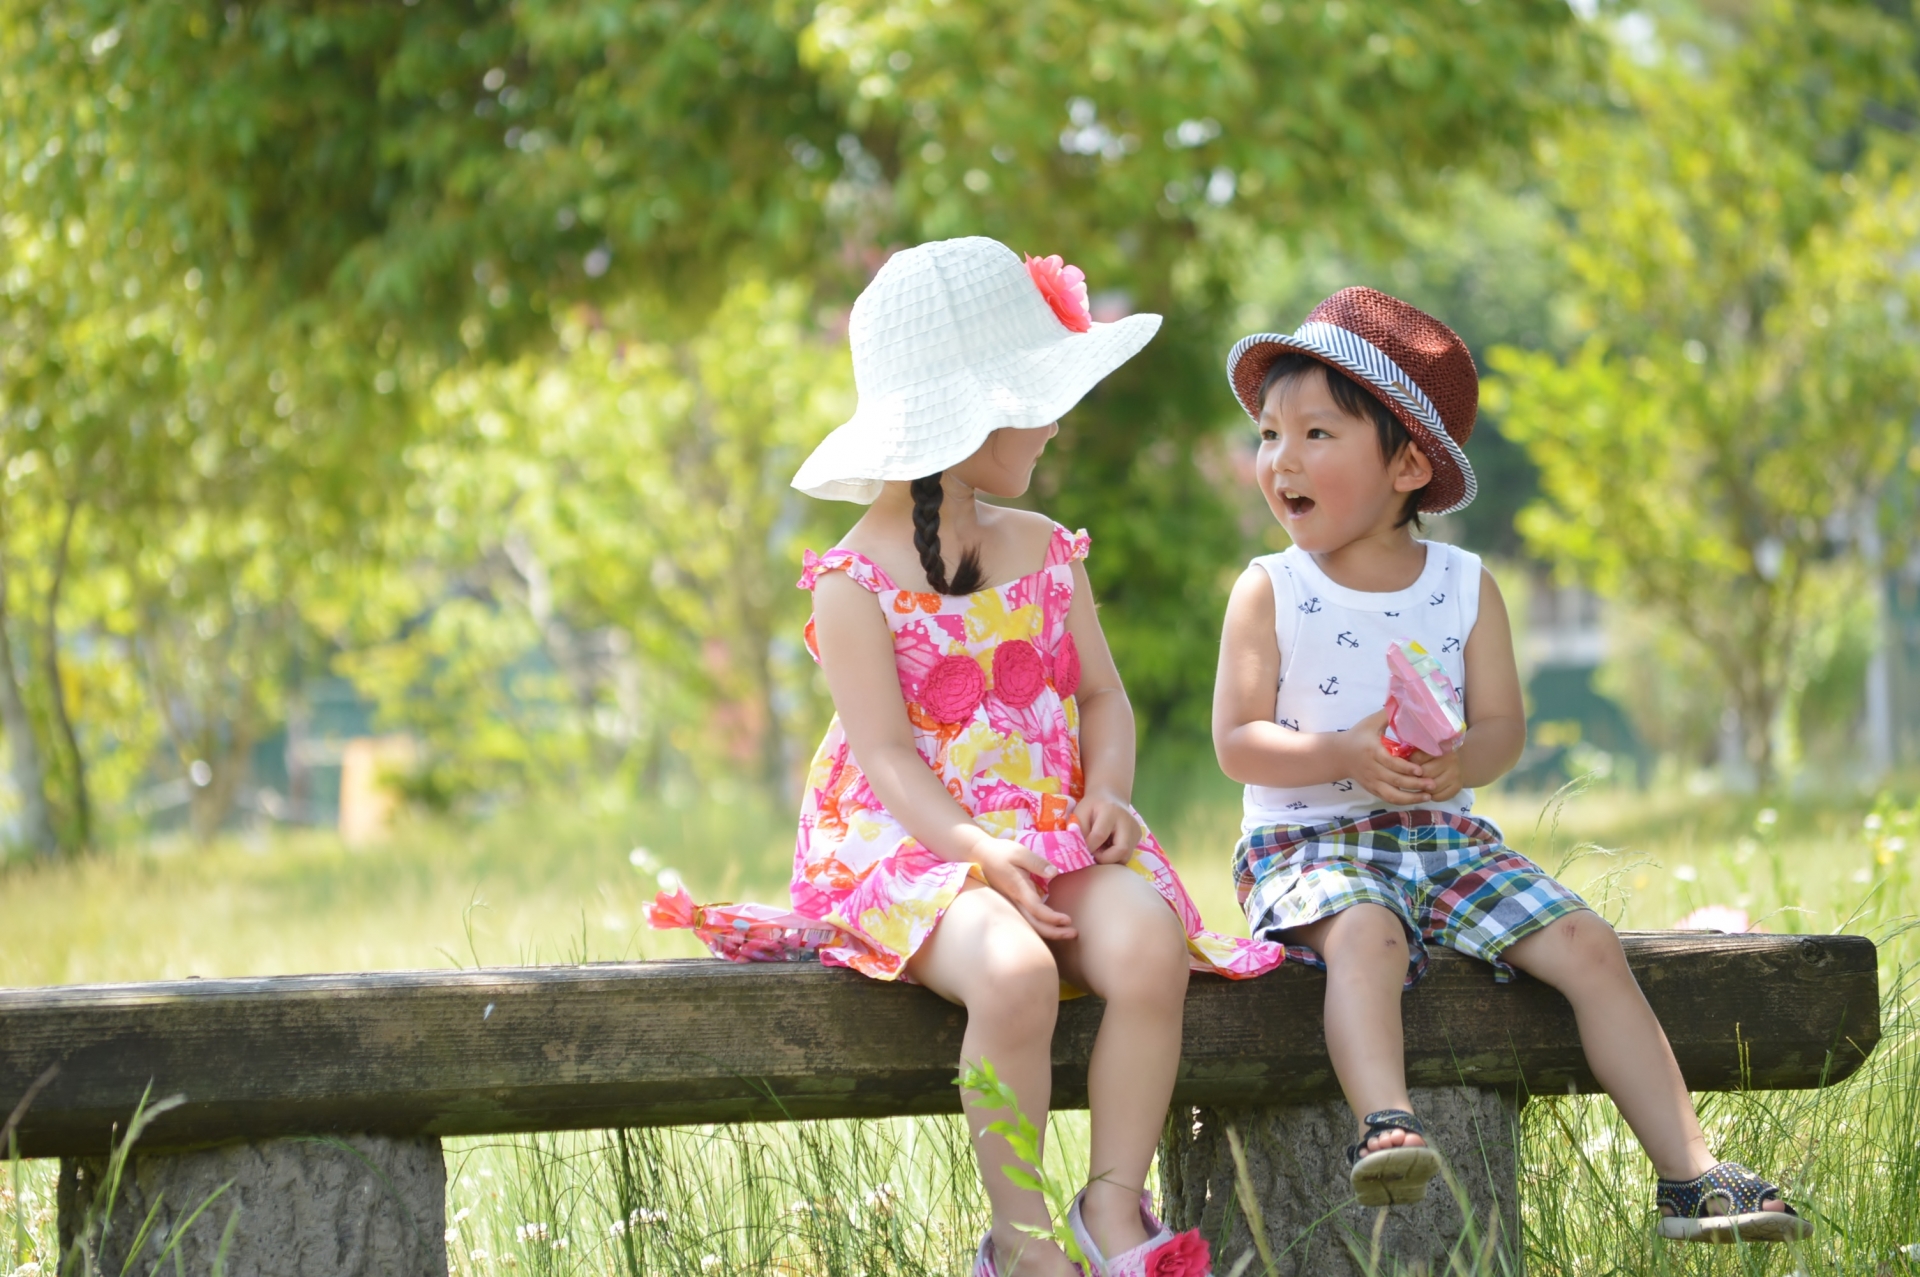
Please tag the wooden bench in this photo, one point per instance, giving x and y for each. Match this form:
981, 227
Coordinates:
394, 1061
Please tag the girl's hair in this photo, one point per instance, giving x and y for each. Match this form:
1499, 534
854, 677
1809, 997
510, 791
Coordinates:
927, 496
1355, 401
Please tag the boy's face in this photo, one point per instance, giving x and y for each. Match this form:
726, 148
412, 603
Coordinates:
1321, 471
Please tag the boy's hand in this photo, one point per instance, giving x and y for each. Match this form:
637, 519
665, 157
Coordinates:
1109, 827
1010, 868
1442, 774
1395, 780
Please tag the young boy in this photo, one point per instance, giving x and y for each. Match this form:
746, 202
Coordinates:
1358, 858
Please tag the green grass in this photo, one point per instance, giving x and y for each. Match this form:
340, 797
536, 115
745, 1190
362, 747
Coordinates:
901, 1197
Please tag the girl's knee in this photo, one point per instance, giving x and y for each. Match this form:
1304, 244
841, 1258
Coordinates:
1018, 983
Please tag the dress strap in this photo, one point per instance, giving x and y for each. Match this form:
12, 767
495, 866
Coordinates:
852, 562
1067, 547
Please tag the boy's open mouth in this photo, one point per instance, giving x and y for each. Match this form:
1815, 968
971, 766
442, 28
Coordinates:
1296, 505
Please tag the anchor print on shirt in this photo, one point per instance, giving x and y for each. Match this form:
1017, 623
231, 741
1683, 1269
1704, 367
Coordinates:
1389, 614
1331, 687
1311, 606
1291, 724
1345, 638
1435, 600
1344, 786
1296, 806
1451, 645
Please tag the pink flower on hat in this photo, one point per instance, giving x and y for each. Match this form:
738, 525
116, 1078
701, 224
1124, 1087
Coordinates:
1065, 288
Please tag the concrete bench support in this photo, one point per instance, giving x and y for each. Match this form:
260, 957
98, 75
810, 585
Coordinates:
1296, 1162
329, 1206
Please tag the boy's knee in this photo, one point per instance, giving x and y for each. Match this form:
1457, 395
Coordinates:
1366, 935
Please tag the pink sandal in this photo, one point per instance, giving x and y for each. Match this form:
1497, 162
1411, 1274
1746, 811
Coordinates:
1164, 1253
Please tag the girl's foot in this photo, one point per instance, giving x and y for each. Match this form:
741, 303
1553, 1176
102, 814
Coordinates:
1392, 1163
1112, 1216
1021, 1255
1163, 1253
1729, 1203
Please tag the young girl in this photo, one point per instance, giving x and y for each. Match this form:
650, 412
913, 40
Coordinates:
966, 823
1359, 856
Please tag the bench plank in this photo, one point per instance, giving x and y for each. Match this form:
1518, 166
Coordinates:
659, 1043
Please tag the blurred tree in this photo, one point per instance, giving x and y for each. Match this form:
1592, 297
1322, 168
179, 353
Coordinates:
343, 205
596, 571
1740, 229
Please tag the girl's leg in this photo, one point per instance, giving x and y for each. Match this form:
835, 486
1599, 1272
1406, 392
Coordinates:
1628, 1050
1365, 948
985, 957
1132, 952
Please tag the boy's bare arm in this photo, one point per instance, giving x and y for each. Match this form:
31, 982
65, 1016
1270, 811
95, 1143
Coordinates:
1255, 750
1496, 711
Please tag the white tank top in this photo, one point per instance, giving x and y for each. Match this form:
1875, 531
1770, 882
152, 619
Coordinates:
1333, 665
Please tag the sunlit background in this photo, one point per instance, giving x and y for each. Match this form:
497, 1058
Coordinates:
398, 398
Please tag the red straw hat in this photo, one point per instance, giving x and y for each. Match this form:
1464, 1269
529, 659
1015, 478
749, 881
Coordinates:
1414, 364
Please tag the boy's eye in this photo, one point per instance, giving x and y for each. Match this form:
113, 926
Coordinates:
1318, 433
1268, 436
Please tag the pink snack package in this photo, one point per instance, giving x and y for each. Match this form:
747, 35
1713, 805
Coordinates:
1423, 707
742, 933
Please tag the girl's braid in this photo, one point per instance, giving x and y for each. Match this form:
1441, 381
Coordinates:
927, 498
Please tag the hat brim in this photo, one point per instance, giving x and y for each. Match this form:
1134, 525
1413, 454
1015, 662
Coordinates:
952, 416
1454, 485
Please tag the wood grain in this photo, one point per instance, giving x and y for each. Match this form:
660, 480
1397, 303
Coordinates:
659, 1043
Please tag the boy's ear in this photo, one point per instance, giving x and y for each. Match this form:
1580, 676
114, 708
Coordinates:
1411, 469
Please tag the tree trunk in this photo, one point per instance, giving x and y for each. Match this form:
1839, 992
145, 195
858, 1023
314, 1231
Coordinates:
28, 767
57, 690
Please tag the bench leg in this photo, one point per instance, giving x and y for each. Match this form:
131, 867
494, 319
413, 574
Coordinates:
1296, 1160
351, 1206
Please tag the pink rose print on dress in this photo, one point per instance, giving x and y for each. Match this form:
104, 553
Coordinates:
953, 688
1066, 667
1019, 676
1065, 288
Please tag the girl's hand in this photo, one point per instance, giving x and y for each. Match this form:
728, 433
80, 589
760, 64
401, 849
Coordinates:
1441, 773
1010, 868
1109, 826
1395, 780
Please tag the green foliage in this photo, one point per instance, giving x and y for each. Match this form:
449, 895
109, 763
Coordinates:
595, 570
1737, 242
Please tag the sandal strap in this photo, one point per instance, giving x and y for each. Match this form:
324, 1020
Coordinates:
1384, 1120
1743, 1192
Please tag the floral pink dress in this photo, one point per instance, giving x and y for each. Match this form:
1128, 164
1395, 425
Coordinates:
989, 681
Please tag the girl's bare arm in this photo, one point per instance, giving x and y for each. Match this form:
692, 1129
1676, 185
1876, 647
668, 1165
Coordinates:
1106, 734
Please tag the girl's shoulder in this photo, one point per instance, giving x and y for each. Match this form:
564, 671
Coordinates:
862, 570
1064, 546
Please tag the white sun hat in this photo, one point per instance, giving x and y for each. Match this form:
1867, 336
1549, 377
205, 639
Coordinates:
951, 341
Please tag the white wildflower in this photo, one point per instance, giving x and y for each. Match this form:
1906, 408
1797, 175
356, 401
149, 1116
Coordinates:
617, 1229
709, 1263
1687, 873
453, 1234
1767, 817
1872, 823
881, 1197
532, 1232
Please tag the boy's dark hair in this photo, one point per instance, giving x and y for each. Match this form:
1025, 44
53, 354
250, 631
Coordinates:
1354, 400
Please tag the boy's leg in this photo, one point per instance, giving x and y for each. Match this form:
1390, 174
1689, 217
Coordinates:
1132, 952
984, 956
1365, 949
1580, 955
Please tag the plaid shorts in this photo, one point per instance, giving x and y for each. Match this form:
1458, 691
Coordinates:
1448, 877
